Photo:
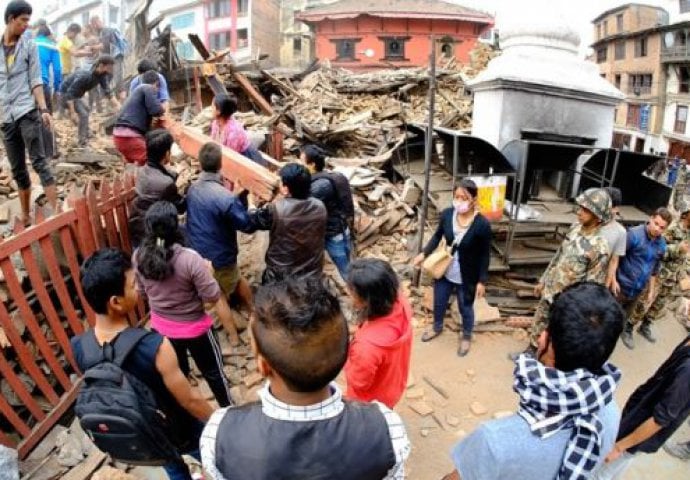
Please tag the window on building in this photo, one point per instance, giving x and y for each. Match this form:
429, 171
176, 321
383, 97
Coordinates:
641, 47
297, 45
603, 75
218, 8
242, 8
684, 80
640, 84
606, 27
242, 38
185, 50
684, 6
345, 48
601, 54
394, 48
219, 40
620, 50
681, 119
113, 15
183, 20
617, 81
598, 31
619, 22
633, 118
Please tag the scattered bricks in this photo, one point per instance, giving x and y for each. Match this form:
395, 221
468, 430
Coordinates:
415, 393
502, 414
424, 432
421, 408
110, 473
478, 409
70, 451
251, 365
253, 379
452, 420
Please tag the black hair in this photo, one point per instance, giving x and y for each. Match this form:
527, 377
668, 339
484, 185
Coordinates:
103, 276
17, 8
145, 65
315, 156
210, 157
74, 27
297, 179
43, 31
158, 144
585, 322
375, 283
150, 77
301, 332
664, 214
616, 196
162, 232
468, 185
226, 104
104, 60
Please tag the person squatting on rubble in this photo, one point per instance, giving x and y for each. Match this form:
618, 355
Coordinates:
468, 233
214, 215
229, 132
639, 270
378, 361
50, 63
673, 268
154, 182
302, 427
297, 225
76, 85
652, 413
583, 255
334, 193
109, 286
23, 107
567, 417
138, 114
614, 234
163, 94
180, 289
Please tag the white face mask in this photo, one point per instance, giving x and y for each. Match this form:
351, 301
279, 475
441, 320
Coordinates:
461, 206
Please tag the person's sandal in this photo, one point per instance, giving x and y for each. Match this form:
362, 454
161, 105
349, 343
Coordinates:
430, 335
464, 348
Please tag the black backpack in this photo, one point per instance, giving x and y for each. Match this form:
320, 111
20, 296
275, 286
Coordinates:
116, 409
342, 189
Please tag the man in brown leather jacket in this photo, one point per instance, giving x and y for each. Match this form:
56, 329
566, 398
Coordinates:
297, 225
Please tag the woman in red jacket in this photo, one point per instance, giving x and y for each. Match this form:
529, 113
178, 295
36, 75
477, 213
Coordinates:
378, 360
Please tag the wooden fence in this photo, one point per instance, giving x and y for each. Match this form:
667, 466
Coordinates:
45, 306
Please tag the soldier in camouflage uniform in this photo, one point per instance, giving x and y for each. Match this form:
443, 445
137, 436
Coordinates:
583, 255
673, 267
681, 187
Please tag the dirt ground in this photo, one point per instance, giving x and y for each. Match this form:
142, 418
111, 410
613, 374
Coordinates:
485, 376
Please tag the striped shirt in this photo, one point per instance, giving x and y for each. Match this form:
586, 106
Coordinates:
329, 408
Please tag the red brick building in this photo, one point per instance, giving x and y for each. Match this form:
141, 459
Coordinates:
396, 32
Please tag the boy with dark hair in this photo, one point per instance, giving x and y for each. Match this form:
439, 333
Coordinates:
75, 86
109, 285
135, 119
68, 51
300, 346
297, 224
327, 186
23, 107
614, 234
144, 66
214, 215
567, 418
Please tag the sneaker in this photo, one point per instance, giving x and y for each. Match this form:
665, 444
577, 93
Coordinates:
627, 337
678, 450
646, 331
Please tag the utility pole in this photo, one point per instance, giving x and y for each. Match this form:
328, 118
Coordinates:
429, 151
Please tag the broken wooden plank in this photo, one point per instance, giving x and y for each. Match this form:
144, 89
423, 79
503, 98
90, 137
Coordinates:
84, 470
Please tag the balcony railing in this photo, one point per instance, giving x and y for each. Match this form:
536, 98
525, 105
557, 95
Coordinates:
677, 53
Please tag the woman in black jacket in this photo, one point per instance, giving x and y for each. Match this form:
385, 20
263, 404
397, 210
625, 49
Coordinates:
469, 234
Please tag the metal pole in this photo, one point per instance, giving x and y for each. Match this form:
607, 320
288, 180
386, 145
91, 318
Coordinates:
429, 149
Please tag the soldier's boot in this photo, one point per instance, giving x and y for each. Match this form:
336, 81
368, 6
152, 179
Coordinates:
627, 336
678, 450
646, 331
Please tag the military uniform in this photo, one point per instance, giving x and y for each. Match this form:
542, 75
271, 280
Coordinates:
672, 266
581, 257
681, 188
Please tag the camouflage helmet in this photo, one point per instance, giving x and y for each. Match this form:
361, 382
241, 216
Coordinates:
597, 201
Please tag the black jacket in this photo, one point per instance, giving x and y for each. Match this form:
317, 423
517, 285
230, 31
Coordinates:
323, 189
141, 106
76, 85
475, 249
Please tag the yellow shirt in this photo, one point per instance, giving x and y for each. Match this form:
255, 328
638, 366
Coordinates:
65, 46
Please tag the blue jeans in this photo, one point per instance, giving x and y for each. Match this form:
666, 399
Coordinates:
177, 469
338, 248
443, 289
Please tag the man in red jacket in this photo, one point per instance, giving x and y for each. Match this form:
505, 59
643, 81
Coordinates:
378, 361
